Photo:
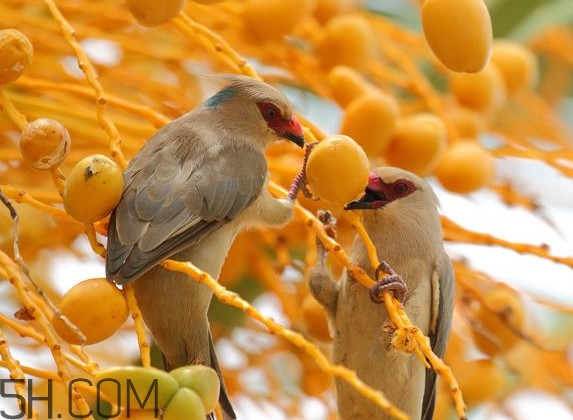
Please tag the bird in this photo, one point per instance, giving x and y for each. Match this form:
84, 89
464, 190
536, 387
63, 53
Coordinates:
193, 186
399, 211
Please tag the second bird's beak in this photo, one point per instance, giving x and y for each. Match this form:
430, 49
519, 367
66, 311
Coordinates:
359, 204
293, 132
368, 201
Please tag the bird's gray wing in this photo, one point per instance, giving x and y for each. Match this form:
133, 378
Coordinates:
170, 203
440, 330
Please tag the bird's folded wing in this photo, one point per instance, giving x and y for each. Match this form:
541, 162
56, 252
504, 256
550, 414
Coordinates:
172, 204
440, 331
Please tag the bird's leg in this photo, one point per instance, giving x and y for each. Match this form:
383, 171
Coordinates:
390, 281
299, 182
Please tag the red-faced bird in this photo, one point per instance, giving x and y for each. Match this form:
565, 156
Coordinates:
399, 212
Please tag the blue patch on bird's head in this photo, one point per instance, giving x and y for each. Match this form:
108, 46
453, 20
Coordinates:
220, 97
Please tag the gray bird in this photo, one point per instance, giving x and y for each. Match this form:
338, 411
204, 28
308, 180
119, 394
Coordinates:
188, 192
399, 212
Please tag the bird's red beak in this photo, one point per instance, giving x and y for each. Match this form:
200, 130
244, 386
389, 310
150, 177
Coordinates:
292, 130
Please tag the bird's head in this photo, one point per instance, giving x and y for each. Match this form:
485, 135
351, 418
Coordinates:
252, 104
387, 185
281, 121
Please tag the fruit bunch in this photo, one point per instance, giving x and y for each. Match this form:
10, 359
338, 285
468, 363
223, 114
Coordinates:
188, 392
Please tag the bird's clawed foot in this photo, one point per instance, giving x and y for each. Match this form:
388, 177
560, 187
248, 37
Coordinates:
329, 222
389, 328
390, 282
299, 182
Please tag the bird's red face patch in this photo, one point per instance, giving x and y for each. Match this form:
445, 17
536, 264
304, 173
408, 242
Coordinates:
379, 193
283, 127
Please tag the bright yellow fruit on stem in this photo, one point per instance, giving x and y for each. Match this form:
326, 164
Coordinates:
154, 13
483, 91
346, 84
93, 188
480, 380
464, 167
337, 170
349, 41
417, 143
16, 53
327, 9
185, 405
468, 122
496, 328
45, 143
458, 32
315, 320
370, 119
96, 307
273, 19
516, 63
203, 380
136, 382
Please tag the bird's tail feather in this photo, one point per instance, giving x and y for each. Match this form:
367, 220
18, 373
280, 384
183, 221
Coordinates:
227, 408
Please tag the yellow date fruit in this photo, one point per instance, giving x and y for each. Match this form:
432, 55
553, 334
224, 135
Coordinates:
134, 382
337, 170
203, 380
417, 143
496, 333
348, 41
370, 120
185, 405
326, 9
134, 414
315, 319
273, 19
16, 53
469, 123
483, 91
459, 33
516, 63
155, 13
346, 84
96, 307
45, 143
465, 166
93, 188
480, 380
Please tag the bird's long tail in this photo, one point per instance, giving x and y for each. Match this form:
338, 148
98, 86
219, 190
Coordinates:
228, 412
226, 407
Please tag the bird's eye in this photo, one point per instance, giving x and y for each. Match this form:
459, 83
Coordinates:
270, 113
401, 187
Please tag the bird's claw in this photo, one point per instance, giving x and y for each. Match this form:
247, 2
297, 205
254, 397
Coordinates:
329, 222
389, 328
390, 282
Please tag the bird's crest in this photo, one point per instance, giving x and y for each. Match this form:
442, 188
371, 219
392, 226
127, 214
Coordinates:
248, 88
